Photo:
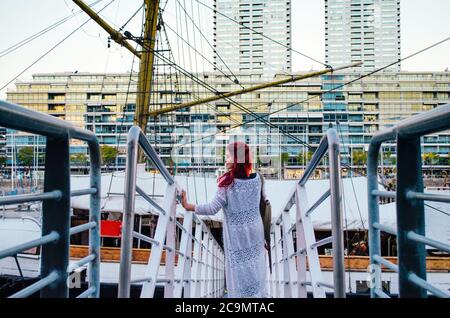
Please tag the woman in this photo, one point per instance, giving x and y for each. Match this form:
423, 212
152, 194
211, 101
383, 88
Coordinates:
238, 195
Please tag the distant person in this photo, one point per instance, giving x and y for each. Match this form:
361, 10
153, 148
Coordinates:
360, 249
238, 195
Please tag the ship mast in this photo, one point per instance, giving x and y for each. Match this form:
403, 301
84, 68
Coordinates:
146, 55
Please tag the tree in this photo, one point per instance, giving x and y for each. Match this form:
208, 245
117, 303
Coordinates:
359, 157
304, 159
2, 161
26, 156
109, 154
430, 158
387, 158
79, 159
284, 158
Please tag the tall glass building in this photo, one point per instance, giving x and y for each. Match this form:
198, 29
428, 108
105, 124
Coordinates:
362, 30
241, 50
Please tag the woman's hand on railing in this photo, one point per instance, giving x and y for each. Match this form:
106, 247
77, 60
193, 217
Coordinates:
185, 204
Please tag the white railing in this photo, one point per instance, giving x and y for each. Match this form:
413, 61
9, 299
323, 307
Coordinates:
196, 268
289, 261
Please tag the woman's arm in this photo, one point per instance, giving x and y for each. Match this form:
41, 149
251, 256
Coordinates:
211, 208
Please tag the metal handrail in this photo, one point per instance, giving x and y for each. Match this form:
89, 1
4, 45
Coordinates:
204, 264
283, 253
56, 201
409, 197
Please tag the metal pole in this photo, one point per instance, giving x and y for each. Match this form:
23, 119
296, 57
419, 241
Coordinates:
336, 214
13, 159
410, 217
140, 230
94, 233
56, 217
374, 214
279, 153
128, 213
170, 233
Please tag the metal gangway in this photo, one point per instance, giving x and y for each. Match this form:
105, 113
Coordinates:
409, 197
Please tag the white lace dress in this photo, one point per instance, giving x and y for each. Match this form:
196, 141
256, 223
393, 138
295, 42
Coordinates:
243, 237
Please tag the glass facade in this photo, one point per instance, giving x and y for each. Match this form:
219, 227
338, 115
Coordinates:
298, 114
253, 51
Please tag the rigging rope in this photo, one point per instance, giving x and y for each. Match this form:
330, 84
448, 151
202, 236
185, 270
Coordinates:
52, 48
131, 18
124, 117
335, 88
200, 54
236, 81
38, 34
244, 109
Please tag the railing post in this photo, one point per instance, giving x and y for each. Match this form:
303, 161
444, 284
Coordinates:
215, 271
222, 274
183, 261
56, 217
285, 260
209, 267
268, 275
336, 214
128, 215
148, 288
410, 216
374, 217
94, 233
288, 247
274, 261
311, 251
301, 243
188, 266
196, 270
170, 241
204, 268
278, 265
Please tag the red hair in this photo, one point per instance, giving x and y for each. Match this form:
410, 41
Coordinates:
242, 163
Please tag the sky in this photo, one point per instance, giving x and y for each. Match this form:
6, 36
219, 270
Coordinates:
423, 22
